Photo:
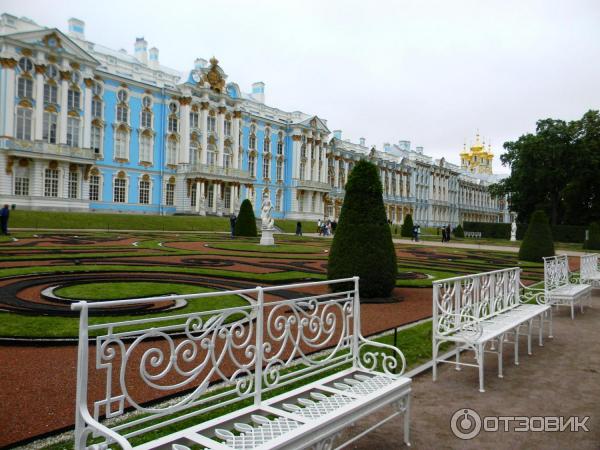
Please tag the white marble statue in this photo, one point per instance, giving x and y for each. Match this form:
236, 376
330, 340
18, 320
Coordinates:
266, 213
513, 231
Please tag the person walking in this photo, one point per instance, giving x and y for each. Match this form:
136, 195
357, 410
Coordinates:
232, 221
4, 213
418, 232
448, 229
299, 229
444, 234
319, 227
414, 233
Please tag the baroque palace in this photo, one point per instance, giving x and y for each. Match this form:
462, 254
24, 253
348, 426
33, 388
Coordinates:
87, 128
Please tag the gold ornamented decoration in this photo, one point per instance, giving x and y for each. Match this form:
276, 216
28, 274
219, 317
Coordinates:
10, 161
173, 137
51, 58
40, 68
97, 122
73, 167
227, 142
204, 105
88, 82
212, 140
23, 162
309, 140
88, 170
94, 171
172, 180
123, 127
65, 75
121, 175
73, 113
145, 164
147, 91
172, 166
8, 63
53, 164
51, 108
52, 40
25, 103
237, 114
296, 138
26, 52
98, 78
195, 108
222, 109
313, 122
123, 85
212, 113
227, 116
185, 100
75, 65
194, 137
318, 142
147, 133
214, 77
146, 177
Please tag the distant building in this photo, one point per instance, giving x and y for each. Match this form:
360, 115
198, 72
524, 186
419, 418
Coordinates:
87, 128
477, 160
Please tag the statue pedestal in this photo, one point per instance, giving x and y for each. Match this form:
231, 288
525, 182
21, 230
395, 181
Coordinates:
513, 238
266, 237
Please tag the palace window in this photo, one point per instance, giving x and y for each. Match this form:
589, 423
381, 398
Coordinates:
23, 124
50, 93
146, 120
279, 170
252, 139
278, 202
266, 166
228, 128
73, 131
280, 144
122, 113
172, 151
97, 89
252, 165
194, 119
120, 190
51, 183
49, 127
73, 99
94, 193
266, 145
25, 87
96, 140
146, 148
21, 186
76, 77
173, 124
97, 108
303, 151
144, 192
227, 157
122, 96
194, 153
211, 156
73, 188
301, 201
25, 65
147, 102
170, 194
212, 124
210, 195
121, 144
227, 198
302, 170
193, 196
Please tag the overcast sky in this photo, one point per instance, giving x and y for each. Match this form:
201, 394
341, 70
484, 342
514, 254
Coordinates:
432, 72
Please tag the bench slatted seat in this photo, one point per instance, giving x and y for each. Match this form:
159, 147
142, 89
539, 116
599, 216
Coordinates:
289, 372
588, 270
482, 312
559, 290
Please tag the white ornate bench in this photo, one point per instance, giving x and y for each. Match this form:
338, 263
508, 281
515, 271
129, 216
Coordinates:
588, 270
480, 312
473, 234
559, 290
279, 373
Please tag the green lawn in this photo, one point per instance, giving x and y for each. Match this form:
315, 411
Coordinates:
289, 226
277, 248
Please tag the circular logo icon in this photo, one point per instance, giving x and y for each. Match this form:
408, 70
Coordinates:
465, 424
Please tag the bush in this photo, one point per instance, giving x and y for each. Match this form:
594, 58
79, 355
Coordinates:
246, 222
560, 233
362, 244
537, 242
407, 227
593, 242
459, 232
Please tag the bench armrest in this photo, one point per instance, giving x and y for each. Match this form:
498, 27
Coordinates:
383, 358
530, 293
470, 326
96, 426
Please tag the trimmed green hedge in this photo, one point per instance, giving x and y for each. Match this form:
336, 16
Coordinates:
362, 244
407, 227
537, 242
459, 232
560, 233
593, 243
246, 222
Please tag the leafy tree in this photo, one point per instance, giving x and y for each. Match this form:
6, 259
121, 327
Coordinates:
363, 242
459, 232
593, 242
537, 242
407, 227
556, 170
246, 222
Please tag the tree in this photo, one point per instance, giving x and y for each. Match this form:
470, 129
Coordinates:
593, 242
459, 232
537, 242
407, 227
246, 222
556, 170
362, 244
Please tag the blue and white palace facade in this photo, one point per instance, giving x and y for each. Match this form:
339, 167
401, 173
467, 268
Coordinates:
87, 128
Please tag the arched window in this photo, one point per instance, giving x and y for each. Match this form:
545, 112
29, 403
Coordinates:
146, 115
252, 139
211, 155
173, 124
24, 122
280, 144
25, 80
51, 182
170, 192
51, 87
146, 142
267, 145
121, 143
252, 165
144, 190
194, 152
172, 150
227, 157
194, 120
212, 122
303, 151
267, 166
21, 178
122, 106
302, 170
94, 186
73, 124
96, 139
74, 98
279, 169
120, 188
228, 128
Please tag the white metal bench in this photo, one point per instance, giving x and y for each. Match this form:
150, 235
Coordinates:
473, 234
290, 370
559, 290
588, 270
480, 312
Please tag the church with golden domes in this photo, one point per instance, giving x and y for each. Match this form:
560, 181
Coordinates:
478, 159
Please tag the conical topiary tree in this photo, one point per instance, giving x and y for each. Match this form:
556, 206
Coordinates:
246, 222
593, 242
459, 232
407, 227
363, 242
537, 242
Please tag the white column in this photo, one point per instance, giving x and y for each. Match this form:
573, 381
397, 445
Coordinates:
296, 157
202, 195
221, 135
62, 121
232, 199
39, 103
204, 130
199, 193
324, 168
184, 147
236, 139
87, 114
7, 75
309, 160
336, 170
216, 192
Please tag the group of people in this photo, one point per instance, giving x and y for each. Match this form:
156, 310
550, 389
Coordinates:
416, 231
446, 231
326, 228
